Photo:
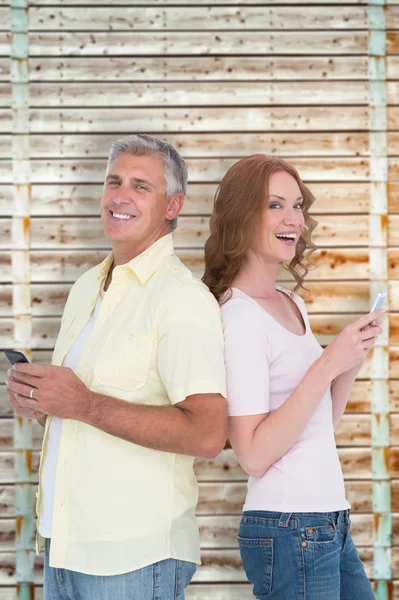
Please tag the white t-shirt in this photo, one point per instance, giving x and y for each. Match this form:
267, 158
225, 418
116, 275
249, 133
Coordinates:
49, 469
265, 363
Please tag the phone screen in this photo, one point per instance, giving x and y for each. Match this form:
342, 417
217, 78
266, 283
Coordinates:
14, 356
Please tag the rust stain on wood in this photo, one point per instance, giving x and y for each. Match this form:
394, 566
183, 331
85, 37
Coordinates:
31, 590
18, 525
28, 459
26, 222
376, 523
392, 42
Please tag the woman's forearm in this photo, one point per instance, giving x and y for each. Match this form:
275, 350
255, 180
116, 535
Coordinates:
279, 431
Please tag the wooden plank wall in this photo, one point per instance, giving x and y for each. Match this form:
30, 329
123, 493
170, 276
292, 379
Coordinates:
221, 81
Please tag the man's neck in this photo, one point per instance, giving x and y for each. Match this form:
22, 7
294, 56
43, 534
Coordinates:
124, 253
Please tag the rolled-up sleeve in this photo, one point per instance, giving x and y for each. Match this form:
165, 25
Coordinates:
190, 344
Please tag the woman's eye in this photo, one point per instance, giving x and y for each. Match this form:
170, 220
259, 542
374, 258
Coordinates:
274, 205
300, 206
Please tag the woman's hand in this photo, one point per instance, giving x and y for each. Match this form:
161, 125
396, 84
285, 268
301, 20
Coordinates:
350, 347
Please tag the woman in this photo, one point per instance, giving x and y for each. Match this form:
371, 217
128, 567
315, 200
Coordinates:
285, 393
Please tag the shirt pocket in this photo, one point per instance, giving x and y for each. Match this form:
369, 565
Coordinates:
124, 360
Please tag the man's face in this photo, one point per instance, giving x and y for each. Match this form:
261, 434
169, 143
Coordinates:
134, 207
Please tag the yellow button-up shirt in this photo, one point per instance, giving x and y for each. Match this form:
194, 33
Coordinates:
157, 339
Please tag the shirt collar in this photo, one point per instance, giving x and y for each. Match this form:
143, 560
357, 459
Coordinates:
146, 263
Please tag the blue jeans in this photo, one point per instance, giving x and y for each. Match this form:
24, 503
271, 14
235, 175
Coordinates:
302, 556
164, 580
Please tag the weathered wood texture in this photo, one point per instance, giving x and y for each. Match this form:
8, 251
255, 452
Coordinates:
220, 81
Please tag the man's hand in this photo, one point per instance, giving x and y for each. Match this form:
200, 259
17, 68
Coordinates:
21, 409
51, 390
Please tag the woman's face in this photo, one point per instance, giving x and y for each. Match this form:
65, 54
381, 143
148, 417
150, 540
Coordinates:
282, 219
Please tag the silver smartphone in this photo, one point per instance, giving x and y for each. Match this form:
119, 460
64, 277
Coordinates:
379, 301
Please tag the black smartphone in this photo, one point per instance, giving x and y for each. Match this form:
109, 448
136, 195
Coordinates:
15, 357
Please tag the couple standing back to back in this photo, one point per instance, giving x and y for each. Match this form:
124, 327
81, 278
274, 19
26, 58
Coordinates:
137, 389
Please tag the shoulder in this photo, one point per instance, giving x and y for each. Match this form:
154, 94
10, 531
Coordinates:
241, 308
181, 290
84, 282
243, 319
246, 329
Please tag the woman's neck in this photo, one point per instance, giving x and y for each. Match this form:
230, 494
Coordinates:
257, 277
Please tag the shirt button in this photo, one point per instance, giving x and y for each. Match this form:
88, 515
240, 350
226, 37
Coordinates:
303, 544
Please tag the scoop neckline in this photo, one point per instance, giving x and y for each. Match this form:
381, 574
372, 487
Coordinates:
286, 292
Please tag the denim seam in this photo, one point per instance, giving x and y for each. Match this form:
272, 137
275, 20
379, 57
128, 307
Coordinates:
154, 581
177, 578
302, 555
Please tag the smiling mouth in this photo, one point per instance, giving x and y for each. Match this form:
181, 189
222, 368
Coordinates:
121, 216
287, 238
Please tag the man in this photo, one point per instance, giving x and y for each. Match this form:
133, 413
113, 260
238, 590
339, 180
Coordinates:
140, 392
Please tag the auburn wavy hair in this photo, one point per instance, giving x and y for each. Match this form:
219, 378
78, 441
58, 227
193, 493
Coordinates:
238, 206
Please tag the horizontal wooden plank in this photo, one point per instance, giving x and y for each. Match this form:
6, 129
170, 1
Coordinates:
5, 95
206, 145
48, 299
129, 18
204, 170
163, 120
393, 193
393, 233
111, 43
200, 68
5, 69
5, 37
4, 18
163, 3
204, 93
392, 46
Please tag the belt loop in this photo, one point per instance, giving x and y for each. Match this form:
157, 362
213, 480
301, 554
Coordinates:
284, 519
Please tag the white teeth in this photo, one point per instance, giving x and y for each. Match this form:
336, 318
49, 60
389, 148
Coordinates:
288, 237
118, 216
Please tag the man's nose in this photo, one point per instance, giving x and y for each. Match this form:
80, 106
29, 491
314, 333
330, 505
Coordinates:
122, 196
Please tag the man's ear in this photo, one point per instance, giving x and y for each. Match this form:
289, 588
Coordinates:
175, 205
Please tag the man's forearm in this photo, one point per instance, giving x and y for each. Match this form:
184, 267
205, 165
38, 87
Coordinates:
340, 391
165, 428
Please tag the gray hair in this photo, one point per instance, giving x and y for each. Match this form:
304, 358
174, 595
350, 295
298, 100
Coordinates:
143, 145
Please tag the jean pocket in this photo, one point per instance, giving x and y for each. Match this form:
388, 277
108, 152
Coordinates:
257, 560
319, 537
